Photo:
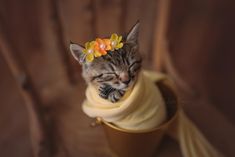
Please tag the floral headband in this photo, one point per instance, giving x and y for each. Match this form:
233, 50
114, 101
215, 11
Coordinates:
100, 47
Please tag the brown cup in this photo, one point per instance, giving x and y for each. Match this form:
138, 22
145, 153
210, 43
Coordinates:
143, 143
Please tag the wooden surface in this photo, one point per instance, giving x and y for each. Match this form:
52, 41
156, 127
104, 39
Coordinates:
200, 37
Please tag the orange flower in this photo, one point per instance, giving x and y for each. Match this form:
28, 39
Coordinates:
102, 45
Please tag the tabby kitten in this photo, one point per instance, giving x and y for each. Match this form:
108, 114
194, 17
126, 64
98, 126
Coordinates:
115, 72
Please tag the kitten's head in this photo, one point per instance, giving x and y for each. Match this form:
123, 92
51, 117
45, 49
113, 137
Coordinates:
118, 68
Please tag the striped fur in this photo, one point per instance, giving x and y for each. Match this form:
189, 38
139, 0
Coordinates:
115, 72
106, 71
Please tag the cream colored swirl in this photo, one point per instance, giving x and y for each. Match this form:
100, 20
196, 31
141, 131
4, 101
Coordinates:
141, 108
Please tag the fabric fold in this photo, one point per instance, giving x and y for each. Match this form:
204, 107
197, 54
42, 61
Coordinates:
143, 108
192, 141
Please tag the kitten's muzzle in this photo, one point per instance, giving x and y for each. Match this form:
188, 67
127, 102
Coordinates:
125, 78
126, 82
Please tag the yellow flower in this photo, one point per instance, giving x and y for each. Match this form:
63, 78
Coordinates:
90, 52
116, 42
100, 47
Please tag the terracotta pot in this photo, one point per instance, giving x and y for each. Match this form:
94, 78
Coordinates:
143, 143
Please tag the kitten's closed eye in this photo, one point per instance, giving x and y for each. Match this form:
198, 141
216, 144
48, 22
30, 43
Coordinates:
134, 67
105, 77
96, 77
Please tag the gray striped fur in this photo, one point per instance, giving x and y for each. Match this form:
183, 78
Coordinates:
115, 72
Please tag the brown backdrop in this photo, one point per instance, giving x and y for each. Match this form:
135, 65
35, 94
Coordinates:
38, 73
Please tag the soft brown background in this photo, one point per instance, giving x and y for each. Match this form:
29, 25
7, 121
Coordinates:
35, 34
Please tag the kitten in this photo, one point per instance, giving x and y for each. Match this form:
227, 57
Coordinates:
115, 72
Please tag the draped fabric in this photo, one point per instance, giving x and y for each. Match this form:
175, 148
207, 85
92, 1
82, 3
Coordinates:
136, 111
143, 108
191, 140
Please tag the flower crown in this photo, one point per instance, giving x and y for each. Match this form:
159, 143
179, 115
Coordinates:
100, 47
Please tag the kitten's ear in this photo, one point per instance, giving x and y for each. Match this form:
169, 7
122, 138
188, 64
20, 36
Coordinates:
77, 53
133, 33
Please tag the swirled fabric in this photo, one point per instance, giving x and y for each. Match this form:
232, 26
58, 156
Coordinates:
143, 108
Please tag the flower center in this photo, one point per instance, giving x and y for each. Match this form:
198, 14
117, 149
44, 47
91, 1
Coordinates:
102, 46
114, 43
90, 51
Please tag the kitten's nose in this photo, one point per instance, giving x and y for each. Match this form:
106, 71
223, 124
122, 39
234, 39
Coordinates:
127, 82
124, 77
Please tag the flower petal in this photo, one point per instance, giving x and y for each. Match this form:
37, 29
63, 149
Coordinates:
103, 52
119, 38
107, 42
96, 47
108, 47
87, 45
99, 41
97, 54
112, 37
115, 36
93, 43
89, 57
84, 51
120, 45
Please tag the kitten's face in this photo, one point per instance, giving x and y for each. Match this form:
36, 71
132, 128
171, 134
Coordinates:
118, 68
